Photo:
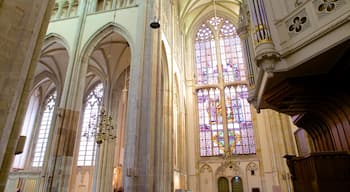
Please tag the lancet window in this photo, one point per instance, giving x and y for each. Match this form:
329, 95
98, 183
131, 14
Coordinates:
88, 146
44, 130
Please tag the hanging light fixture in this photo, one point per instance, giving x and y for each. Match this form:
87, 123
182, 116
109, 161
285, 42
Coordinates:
155, 24
102, 131
105, 129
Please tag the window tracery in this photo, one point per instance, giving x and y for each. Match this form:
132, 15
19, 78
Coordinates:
44, 130
223, 110
88, 146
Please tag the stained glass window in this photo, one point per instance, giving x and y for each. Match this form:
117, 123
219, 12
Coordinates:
88, 146
210, 122
43, 133
239, 121
231, 54
206, 62
221, 71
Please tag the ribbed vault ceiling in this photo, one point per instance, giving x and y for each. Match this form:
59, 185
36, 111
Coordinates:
53, 61
109, 59
191, 10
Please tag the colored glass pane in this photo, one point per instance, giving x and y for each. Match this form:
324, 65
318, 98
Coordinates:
208, 73
231, 54
210, 122
205, 57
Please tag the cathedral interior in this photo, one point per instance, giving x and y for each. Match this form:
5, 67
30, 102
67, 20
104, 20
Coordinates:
175, 95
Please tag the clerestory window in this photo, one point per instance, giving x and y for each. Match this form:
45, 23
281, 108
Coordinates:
224, 115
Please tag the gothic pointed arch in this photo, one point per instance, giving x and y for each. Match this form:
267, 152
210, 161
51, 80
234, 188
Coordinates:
108, 53
229, 169
107, 56
53, 61
193, 12
55, 38
206, 168
102, 33
206, 178
49, 77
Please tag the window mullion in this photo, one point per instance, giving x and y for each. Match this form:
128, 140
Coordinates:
220, 69
222, 92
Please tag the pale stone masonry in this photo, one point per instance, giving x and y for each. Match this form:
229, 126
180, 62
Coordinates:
160, 134
23, 26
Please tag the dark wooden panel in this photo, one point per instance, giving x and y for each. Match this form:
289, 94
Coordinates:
320, 172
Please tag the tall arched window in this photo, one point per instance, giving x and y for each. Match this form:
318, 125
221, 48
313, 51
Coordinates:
87, 147
221, 81
27, 130
44, 130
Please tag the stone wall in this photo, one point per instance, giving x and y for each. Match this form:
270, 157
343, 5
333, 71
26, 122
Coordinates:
23, 25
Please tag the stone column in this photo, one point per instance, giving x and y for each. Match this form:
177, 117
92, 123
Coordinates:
94, 6
59, 10
114, 4
191, 131
69, 8
64, 139
168, 126
163, 131
23, 27
104, 165
121, 119
141, 170
275, 141
111, 144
